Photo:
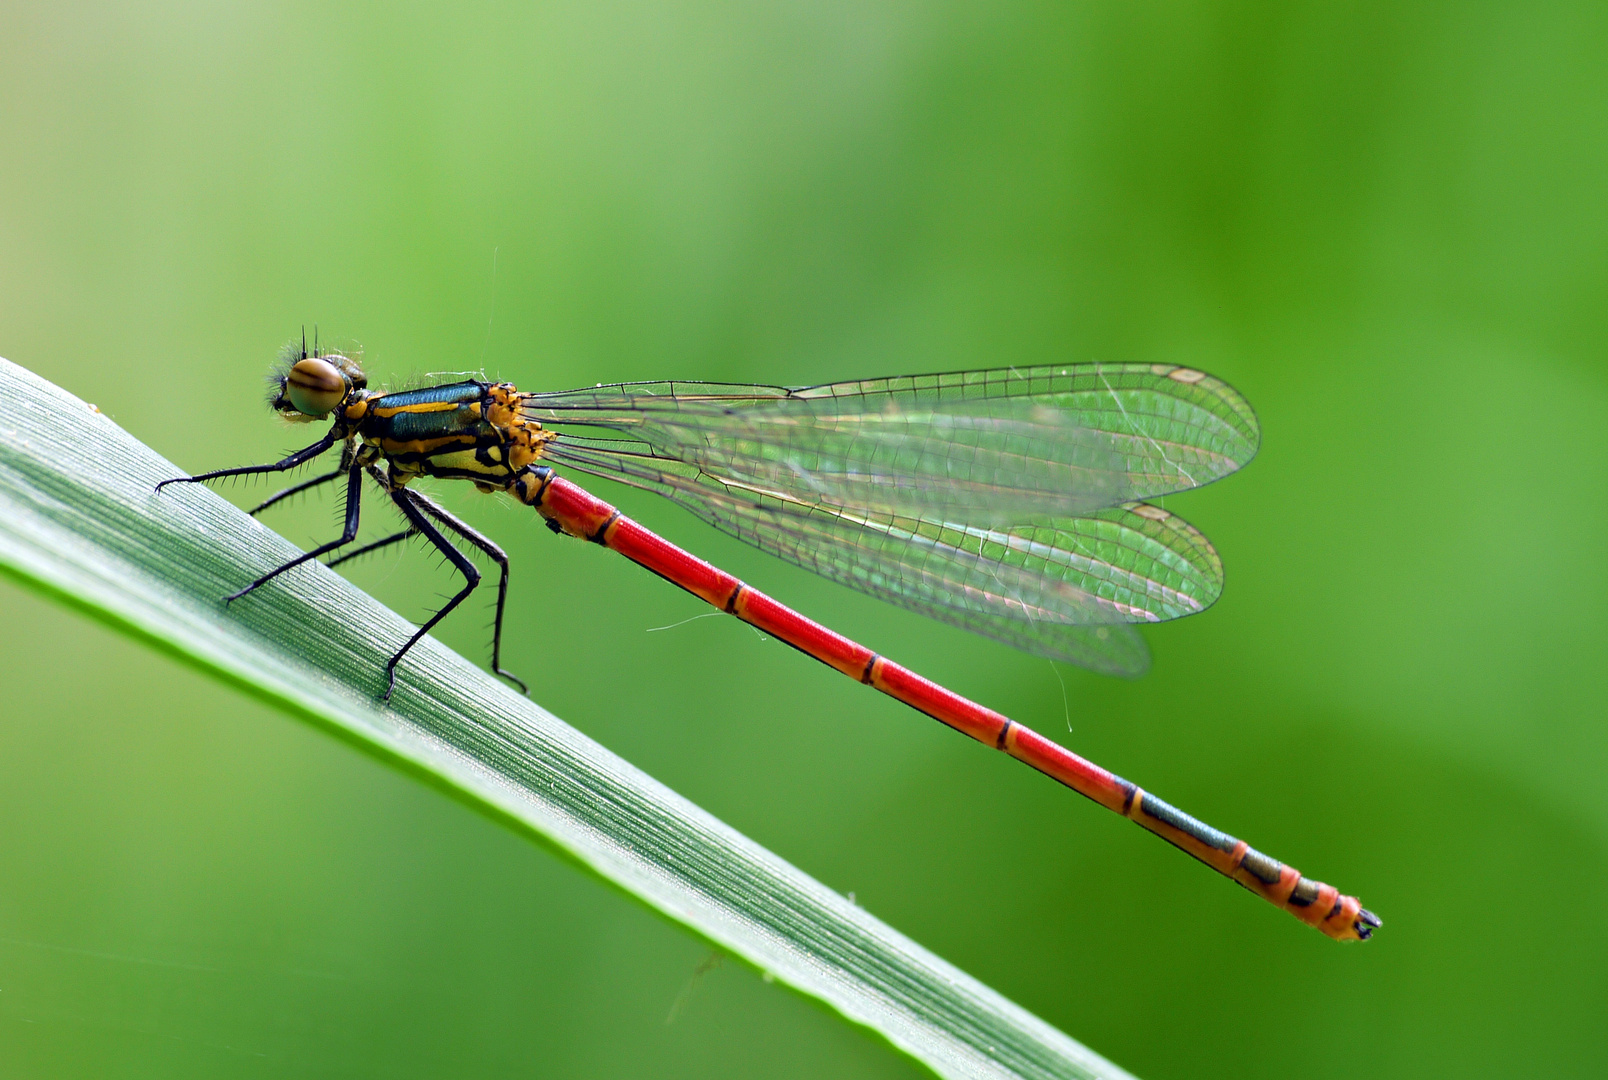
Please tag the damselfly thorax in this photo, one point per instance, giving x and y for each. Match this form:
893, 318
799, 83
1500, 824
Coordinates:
470, 430
1011, 502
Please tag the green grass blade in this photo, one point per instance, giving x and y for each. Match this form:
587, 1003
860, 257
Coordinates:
79, 521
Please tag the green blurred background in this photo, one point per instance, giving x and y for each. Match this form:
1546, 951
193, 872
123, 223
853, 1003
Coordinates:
1385, 223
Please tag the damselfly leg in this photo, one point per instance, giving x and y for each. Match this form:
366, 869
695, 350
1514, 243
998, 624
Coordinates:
369, 549
354, 499
354, 505
469, 535
492, 552
405, 502
300, 457
305, 485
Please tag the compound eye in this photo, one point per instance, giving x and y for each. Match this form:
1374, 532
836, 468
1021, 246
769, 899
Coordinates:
314, 387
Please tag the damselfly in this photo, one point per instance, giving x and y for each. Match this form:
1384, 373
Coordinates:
1008, 501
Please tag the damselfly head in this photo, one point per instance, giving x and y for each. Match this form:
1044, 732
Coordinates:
310, 385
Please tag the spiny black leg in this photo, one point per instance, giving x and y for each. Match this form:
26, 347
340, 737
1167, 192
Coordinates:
296, 489
404, 502
394, 538
354, 503
496, 555
300, 457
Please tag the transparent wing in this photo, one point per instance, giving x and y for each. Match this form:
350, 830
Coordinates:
1064, 588
987, 448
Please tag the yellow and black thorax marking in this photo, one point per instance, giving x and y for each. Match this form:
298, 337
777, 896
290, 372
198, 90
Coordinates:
472, 431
